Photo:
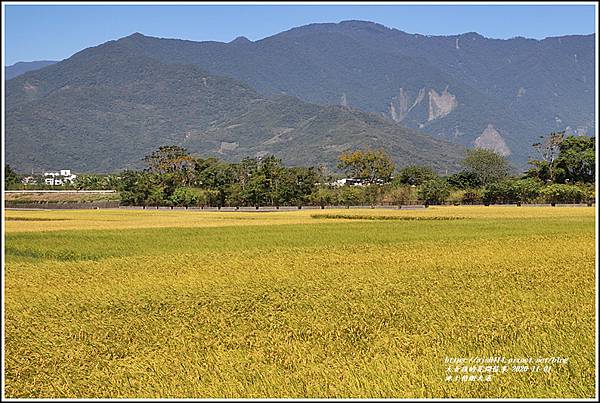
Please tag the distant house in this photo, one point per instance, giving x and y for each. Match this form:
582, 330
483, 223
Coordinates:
28, 180
355, 182
348, 182
62, 177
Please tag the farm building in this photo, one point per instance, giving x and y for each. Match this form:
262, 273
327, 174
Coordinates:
62, 177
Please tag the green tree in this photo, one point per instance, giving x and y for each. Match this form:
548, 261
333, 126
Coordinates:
434, 191
234, 196
370, 166
562, 193
323, 196
256, 192
464, 180
525, 190
171, 160
157, 197
135, 188
10, 177
548, 148
244, 170
568, 159
295, 186
399, 195
217, 175
487, 165
415, 175
576, 161
350, 196
185, 197
539, 170
272, 169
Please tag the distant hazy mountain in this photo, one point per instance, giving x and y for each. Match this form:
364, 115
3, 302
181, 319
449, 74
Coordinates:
500, 94
23, 67
107, 107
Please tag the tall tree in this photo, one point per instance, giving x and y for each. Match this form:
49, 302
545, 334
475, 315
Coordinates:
434, 191
371, 166
415, 175
256, 192
169, 159
296, 185
576, 161
464, 180
548, 148
487, 165
218, 176
135, 187
272, 168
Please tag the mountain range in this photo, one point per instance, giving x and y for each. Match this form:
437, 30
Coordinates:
23, 67
305, 94
106, 107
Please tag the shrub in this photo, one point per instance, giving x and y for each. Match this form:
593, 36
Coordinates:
399, 195
415, 175
322, 196
434, 191
511, 191
471, 196
560, 193
464, 180
350, 196
184, 196
525, 190
589, 193
455, 197
497, 192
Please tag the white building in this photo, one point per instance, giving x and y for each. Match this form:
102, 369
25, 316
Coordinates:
59, 178
348, 181
28, 180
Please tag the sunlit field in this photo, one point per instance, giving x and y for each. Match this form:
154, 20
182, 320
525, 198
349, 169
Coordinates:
309, 303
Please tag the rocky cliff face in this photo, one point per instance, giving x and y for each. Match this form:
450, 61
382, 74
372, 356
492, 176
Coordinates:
492, 140
440, 105
402, 104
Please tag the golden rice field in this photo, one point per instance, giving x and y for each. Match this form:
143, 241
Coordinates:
357, 303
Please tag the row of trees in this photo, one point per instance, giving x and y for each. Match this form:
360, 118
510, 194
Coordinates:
565, 173
174, 178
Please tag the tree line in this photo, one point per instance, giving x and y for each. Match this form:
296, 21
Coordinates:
564, 173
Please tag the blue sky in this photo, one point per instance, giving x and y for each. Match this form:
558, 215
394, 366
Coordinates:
55, 32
